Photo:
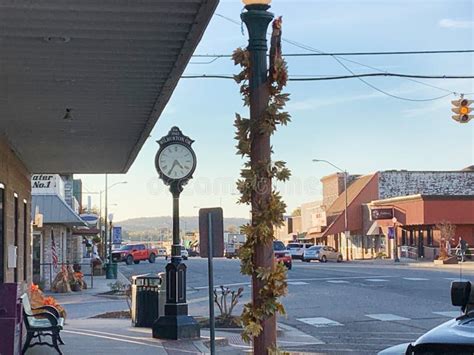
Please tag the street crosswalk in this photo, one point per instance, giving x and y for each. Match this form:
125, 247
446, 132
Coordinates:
323, 322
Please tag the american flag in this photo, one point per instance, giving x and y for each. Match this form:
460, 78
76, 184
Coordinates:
54, 254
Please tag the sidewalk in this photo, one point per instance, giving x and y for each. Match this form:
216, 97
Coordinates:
117, 337
83, 334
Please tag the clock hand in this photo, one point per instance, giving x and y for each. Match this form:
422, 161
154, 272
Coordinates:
172, 167
177, 162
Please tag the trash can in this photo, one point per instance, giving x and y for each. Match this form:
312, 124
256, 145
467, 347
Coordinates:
111, 271
146, 299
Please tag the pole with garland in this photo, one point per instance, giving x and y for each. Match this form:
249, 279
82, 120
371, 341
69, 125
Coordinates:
262, 92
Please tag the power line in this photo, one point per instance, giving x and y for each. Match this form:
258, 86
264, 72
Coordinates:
339, 77
336, 56
338, 60
327, 54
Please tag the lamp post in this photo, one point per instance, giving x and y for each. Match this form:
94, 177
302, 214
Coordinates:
346, 231
111, 218
107, 188
395, 241
257, 18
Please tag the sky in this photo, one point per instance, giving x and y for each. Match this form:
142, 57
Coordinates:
354, 126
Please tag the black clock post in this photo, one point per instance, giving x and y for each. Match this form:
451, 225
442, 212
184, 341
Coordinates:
176, 323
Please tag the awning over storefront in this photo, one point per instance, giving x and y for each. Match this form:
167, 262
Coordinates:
82, 83
55, 210
374, 229
85, 231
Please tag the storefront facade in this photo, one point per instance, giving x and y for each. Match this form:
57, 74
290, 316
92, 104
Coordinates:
418, 220
54, 244
442, 192
15, 226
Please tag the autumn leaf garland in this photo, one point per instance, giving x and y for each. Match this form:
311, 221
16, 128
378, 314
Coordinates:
269, 213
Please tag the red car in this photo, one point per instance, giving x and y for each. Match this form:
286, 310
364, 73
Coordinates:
134, 253
281, 254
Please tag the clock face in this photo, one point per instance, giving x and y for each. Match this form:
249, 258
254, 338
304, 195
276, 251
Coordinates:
176, 161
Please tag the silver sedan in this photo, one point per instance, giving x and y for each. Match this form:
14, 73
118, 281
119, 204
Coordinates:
322, 253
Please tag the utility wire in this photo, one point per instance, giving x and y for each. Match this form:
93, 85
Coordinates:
338, 77
336, 57
327, 54
338, 60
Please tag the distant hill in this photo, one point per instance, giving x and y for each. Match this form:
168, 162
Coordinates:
190, 224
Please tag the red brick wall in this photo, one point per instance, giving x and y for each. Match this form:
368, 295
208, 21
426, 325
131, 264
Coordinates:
333, 186
16, 179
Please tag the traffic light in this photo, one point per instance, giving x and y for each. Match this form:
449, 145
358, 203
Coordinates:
462, 109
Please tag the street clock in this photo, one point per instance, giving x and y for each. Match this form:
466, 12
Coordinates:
175, 161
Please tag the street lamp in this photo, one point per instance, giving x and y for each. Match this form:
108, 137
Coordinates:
395, 242
107, 188
257, 18
346, 231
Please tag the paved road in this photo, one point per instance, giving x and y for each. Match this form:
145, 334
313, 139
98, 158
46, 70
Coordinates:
350, 307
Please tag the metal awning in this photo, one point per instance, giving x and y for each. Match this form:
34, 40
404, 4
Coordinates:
55, 210
374, 229
112, 63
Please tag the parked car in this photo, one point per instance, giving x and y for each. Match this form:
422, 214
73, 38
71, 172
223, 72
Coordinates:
184, 253
161, 252
281, 254
231, 250
134, 253
452, 337
297, 249
322, 253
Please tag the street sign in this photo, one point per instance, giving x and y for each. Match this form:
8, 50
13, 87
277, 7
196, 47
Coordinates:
217, 232
117, 235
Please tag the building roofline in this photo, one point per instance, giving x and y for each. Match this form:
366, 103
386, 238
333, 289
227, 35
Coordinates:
421, 197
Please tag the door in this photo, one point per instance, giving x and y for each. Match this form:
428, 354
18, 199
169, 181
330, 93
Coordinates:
332, 253
143, 252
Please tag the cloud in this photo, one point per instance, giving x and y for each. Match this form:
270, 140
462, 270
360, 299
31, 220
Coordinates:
451, 23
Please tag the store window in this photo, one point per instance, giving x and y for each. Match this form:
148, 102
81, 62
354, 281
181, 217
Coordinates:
16, 233
2, 229
25, 240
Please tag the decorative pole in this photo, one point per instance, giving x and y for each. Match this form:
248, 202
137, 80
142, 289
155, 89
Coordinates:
257, 19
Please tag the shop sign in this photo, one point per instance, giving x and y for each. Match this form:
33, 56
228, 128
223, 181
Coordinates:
381, 213
90, 218
47, 184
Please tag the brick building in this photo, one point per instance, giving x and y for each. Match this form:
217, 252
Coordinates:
433, 194
15, 205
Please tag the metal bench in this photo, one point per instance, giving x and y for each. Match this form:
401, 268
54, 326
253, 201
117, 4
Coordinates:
47, 322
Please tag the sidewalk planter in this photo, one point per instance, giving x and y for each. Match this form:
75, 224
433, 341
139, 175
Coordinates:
451, 260
98, 271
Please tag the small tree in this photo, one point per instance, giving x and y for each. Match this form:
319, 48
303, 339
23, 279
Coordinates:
222, 300
447, 231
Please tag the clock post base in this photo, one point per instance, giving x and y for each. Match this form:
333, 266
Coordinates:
176, 323
176, 327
